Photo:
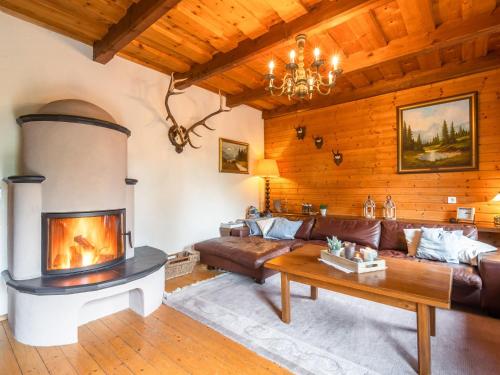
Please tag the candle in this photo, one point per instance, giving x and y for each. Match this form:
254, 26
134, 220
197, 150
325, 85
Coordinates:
335, 62
316, 54
292, 56
271, 66
330, 77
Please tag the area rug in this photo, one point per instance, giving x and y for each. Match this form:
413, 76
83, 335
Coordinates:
337, 334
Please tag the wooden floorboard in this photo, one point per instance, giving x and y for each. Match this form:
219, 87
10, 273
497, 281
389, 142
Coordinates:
8, 361
28, 359
55, 360
166, 342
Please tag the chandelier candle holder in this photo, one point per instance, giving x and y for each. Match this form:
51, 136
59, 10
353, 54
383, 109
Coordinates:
301, 82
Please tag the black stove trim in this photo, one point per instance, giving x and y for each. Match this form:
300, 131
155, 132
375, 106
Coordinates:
74, 119
26, 179
146, 261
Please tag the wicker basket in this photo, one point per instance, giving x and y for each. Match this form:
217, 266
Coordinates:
182, 264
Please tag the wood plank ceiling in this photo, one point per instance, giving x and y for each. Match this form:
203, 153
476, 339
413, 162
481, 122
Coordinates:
384, 45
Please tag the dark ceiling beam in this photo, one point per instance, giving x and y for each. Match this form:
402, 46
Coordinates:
447, 35
138, 18
327, 13
411, 80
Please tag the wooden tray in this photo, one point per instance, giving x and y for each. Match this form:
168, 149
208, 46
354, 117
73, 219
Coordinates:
374, 265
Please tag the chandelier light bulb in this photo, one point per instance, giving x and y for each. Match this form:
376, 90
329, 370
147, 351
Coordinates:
271, 67
335, 62
292, 56
316, 54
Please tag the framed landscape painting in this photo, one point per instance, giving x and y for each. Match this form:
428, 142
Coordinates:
233, 156
438, 135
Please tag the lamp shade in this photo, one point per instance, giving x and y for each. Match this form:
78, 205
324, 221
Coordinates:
266, 168
496, 198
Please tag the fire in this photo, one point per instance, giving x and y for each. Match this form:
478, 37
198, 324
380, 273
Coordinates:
83, 241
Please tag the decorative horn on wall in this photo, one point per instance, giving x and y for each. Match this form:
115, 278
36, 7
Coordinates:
318, 141
301, 132
179, 135
337, 157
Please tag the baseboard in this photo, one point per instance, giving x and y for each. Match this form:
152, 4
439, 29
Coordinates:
3, 317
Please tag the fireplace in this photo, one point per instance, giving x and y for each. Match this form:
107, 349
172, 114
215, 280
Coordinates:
81, 241
70, 213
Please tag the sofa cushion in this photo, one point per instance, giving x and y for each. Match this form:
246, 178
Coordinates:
361, 231
440, 245
283, 229
249, 252
304, 232
393, 236
464, 275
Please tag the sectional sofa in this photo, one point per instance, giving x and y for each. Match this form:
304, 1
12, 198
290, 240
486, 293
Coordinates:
476, 286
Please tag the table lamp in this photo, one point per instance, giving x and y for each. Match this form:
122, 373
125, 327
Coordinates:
496, 219
267, 168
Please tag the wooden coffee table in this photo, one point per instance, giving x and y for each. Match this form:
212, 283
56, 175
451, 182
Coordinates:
414, 286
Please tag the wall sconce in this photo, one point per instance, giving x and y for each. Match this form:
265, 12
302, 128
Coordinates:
337, 157
318, 141
301, 132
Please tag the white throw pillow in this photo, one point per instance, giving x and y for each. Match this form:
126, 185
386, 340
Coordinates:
412, 237
265, 225
438, 244
470, 249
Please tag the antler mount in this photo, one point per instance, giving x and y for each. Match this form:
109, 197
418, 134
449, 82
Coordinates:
179, 135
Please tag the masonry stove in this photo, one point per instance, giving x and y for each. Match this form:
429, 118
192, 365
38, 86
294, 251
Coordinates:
71, 222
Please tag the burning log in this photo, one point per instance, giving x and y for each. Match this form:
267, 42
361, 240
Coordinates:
83, 242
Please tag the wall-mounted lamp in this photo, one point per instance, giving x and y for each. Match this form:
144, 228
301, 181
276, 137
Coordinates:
318, 141
301, 132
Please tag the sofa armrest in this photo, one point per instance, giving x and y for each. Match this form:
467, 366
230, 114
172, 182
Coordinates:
489, 270
240, 232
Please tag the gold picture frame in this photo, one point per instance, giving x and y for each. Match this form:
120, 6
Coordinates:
233, 156
438, 135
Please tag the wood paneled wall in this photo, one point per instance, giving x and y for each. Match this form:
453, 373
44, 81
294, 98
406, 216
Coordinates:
365, 132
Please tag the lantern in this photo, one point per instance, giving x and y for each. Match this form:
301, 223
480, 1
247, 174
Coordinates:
369, 208
389, 209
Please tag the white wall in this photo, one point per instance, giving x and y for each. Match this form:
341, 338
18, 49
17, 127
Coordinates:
180, 199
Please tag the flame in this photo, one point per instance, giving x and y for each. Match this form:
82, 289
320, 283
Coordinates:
83, 241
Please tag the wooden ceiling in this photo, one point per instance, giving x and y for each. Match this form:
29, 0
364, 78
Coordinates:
385, 45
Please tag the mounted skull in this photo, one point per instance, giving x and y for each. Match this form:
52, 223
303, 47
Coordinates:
179, 135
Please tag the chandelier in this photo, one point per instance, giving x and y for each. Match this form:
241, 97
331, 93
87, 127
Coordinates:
301, 82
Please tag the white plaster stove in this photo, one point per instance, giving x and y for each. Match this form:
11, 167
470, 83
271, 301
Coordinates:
71, 224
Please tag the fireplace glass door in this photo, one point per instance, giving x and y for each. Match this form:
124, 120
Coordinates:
79, 241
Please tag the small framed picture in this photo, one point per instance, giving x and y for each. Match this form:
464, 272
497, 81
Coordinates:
466, 214
233, 156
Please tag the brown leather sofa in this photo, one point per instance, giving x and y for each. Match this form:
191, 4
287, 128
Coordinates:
241, 253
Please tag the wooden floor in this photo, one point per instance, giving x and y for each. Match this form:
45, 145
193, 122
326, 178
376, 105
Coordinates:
166, 342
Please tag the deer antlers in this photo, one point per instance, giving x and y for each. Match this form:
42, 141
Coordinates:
179, 135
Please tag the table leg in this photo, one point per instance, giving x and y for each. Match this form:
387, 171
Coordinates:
433, 320
285, 298
314, 293
424, 339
